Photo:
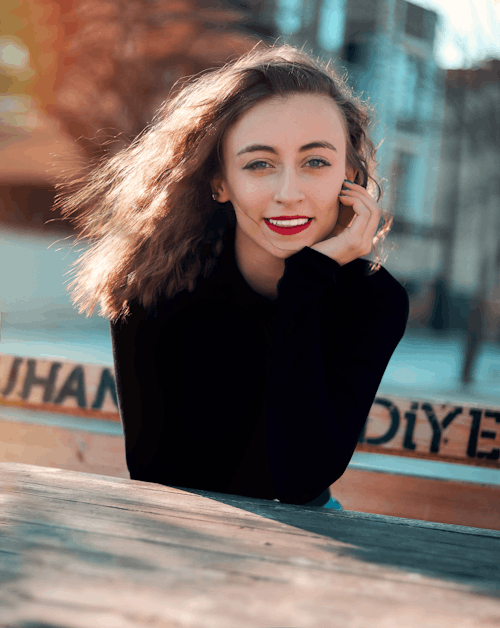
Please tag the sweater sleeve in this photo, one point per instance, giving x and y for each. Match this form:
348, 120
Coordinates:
140, 374
335, 331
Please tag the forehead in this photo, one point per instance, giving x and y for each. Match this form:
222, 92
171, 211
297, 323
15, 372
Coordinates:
290, 121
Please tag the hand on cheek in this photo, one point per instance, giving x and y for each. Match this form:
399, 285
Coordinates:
354, 240
346, 214
344, 220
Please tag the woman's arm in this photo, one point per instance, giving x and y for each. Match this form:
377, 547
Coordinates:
335, 331
140, 380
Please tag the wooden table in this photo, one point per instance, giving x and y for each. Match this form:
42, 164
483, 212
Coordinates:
79, 550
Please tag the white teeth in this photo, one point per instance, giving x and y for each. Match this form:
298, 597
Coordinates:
289, 223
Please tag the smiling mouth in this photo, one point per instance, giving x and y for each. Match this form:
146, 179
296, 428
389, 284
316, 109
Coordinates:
291, 230
289, 219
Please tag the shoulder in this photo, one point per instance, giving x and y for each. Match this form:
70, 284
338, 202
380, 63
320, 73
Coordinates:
137, 318
151, 319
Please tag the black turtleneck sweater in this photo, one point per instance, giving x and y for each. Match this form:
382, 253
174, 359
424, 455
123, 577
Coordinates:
224, 390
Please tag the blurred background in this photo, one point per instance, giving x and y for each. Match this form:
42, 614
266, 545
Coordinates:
74, 73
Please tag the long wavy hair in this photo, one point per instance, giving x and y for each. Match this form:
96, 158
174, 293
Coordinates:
148, 210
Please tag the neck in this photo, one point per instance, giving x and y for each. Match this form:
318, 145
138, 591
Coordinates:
260, 269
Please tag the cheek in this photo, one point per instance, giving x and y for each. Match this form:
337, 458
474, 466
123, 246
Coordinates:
249, 193
327, 198
328, 187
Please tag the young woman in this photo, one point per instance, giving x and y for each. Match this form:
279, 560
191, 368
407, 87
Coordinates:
249, 335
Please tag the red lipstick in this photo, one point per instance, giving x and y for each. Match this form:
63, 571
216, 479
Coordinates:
288, 230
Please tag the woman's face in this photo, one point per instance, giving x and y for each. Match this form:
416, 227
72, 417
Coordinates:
286, 157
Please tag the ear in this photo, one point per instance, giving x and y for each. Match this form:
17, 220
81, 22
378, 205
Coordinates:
219, 188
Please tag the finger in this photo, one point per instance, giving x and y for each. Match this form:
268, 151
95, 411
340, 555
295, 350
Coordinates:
362, 214
376, 214
370, 203
349, 185
361, 192
366, 222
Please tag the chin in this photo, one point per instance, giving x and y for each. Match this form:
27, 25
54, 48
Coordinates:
290, 250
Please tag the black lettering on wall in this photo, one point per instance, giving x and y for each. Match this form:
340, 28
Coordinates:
410, 417
74, 386
13, 374
107, 383
494, 454
391, 432
437, 430
474, 432
47, 382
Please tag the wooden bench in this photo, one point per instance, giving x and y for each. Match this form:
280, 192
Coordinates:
80, 550
63, 414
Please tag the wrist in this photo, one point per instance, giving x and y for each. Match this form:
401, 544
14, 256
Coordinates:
324, 251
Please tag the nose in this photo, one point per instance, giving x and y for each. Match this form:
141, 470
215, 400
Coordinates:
288, 188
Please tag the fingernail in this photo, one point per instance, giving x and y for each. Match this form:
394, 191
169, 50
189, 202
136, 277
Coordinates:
352, 182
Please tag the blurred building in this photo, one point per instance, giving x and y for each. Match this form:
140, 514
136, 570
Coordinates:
93, 70
33, 149
82, 78
387, 48
440, 133
468, 198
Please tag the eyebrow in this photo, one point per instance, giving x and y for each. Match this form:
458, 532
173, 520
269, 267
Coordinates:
270, 149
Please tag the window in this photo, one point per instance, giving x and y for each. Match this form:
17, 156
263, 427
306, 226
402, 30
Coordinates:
358, 34
409, 93
414, 22
308, 9
419, 22
403, 177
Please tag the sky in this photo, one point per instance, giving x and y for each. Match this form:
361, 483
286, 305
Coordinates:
469, 31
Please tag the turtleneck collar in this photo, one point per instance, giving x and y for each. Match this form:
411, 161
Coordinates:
228, 280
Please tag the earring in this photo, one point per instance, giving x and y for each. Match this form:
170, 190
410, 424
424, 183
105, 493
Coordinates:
214, 196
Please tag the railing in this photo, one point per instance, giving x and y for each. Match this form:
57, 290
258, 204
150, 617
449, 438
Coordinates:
75, 424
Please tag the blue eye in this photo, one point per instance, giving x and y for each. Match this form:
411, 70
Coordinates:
254, 165
323, 162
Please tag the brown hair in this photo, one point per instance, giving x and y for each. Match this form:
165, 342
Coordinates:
149, 208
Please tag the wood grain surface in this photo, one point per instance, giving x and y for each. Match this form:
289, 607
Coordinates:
377, 492
80, 550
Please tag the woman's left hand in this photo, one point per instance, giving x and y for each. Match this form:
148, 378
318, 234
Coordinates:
357, 224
